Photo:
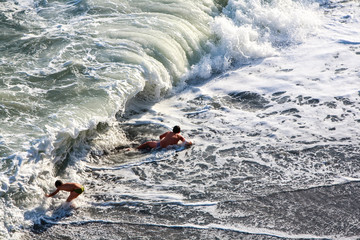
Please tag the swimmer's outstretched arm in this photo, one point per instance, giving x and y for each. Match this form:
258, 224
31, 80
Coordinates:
52, 194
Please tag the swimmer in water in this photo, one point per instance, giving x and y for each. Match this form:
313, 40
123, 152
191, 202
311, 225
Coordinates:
75, 189
166, 139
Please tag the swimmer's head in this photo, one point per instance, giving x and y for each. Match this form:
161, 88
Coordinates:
58, 183
176, 129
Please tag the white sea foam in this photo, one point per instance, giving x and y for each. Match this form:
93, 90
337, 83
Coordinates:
321, 69
249, 30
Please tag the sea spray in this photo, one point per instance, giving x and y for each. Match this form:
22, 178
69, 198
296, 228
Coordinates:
248, 30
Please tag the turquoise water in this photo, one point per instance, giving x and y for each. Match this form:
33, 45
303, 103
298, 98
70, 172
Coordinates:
67, 66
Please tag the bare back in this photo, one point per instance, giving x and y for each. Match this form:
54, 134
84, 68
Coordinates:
170, 138
69, 187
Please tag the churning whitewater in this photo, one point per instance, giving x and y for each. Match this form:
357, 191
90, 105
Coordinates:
266, 89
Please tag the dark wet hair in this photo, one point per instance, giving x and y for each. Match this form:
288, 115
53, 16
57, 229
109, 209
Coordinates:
58, 183
176, 129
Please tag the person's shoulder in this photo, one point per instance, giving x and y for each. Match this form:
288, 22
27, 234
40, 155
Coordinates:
165, 133
179, 135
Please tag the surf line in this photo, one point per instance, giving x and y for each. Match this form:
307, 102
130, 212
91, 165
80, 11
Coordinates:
246, 230
176, 203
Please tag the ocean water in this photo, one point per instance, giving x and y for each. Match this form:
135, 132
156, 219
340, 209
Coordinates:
268, 91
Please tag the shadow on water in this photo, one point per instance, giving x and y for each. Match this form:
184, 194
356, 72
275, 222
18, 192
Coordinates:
43, 221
